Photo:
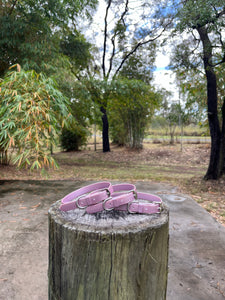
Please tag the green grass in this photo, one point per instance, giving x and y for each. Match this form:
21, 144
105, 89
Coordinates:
190, 130
95, 169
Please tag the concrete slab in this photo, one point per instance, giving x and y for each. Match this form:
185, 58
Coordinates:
197, 241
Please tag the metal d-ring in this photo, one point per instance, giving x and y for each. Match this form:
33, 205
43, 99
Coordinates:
107, 191
135, 194
128, 207
77, 202
160, 209
104, 202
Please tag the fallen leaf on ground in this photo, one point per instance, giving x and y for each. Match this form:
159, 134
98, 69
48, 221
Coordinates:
35, 206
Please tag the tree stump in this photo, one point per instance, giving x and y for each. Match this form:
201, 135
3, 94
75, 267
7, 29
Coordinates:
107, 256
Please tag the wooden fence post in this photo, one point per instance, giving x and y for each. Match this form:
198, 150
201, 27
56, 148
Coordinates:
107, 256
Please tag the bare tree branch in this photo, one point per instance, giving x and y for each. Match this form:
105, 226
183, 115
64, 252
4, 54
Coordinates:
138, 45
114, 37
221, 13
105, 37
12, 8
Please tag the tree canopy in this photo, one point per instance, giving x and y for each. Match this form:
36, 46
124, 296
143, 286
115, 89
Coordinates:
29, 30
131, 106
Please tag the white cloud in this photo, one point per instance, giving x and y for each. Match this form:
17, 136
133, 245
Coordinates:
162, 60
164, 78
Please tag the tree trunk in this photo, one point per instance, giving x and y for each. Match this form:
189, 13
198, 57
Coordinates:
105, 131
213, 171
223, 139
4, 159
107, 256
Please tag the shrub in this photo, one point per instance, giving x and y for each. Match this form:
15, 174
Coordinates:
73, 138
131, 107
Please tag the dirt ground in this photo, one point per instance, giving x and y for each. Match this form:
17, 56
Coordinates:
156, 162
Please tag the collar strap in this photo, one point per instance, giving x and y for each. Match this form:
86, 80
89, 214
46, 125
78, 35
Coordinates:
124, 188
150, 205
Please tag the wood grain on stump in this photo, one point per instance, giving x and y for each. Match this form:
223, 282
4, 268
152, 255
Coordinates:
107, 256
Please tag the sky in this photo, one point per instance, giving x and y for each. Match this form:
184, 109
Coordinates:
163, 77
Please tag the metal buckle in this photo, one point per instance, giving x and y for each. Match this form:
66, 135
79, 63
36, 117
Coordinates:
104, 202
78, 198
104, 189
129, 203
157, 202
159, 208
108, 191
128, 207
135, 194
77, 203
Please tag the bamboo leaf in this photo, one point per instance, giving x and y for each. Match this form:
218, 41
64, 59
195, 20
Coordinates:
29, 117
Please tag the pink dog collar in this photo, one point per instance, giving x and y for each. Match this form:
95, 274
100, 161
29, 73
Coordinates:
102, 196
153, 206
87, 195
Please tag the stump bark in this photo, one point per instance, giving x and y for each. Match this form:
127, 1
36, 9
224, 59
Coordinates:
107, 256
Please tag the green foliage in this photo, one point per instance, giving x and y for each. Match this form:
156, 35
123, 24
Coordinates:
190, 59
83, 110
85, 102
83, 96
32, 114
131, 107
194, 13
73, 138
77, 49
193, 89
29, 30
140, 65
158, 122
98, 90
171, 116
173, 113
25, 32
220, 75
